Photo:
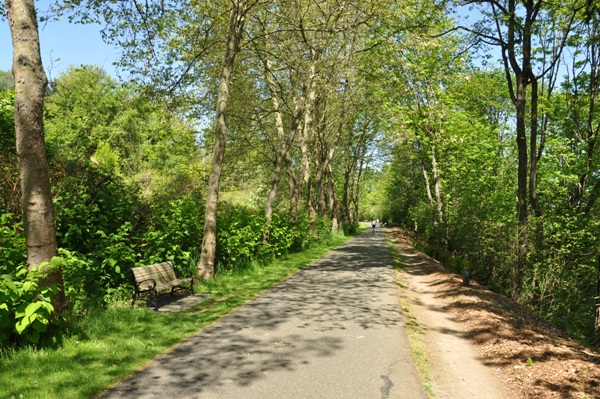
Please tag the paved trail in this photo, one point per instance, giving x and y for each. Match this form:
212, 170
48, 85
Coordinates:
334, 330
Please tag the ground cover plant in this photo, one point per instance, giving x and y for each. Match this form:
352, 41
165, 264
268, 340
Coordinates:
106, 344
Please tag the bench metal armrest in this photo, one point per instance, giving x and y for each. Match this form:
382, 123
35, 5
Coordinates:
149, 287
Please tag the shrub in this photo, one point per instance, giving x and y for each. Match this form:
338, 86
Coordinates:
26, 310
94, 205
12, 244
239, 237
241, 231
173, 231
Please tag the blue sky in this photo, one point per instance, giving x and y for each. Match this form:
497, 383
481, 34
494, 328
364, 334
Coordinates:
63, 44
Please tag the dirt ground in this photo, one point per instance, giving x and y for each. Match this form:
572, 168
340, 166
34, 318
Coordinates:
476, 340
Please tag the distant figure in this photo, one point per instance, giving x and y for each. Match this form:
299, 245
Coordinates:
373, 224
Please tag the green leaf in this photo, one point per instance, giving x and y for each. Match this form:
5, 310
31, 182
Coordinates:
11, 286
34, 337
32, 308
22, 325
20, 311
28, 286
40, 325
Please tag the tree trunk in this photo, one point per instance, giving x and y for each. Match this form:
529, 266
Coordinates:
357, 191
320, 180
280, 153
292, 179
597, 319
304, 141
516, 23
516, 275
437, 184
533, 138
346, 199
271, 196
294, 189
519, 97
206, 265
428, 187
30, 87
334, 204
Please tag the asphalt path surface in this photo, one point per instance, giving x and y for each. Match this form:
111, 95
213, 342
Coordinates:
333, 330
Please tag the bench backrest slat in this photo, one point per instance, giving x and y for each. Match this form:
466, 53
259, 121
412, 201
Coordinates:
161, 272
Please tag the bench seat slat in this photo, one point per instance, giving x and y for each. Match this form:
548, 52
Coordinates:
171, 284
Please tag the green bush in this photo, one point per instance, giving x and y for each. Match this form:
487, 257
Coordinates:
173, 230
90, 283
12, 244
98, 220
26, 310
282, 235
108, 228
561, 280
7, 121
241, 232
239, 237
92, 206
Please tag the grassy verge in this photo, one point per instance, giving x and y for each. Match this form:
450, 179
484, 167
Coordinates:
413, 329
107, 345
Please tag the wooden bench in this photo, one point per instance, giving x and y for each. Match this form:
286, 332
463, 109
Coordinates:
156, 278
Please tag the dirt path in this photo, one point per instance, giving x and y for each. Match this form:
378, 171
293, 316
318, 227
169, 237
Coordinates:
456, 371
480, 344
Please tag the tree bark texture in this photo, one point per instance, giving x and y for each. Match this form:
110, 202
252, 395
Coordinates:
206, 265
597, 318
289, 163
280, 153
437, 184
334, 204
357, 190
294, 188
346, 199
30, 87
307, 133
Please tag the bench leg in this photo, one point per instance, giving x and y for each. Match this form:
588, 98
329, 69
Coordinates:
155, 301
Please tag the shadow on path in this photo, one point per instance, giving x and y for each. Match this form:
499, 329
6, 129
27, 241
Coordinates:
303, 334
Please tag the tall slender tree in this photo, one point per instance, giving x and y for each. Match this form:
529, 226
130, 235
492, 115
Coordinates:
206, 264
522, 30
30, 88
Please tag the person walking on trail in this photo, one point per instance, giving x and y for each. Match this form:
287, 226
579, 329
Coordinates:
373, 224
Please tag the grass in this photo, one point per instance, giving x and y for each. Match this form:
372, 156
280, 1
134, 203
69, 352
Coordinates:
107, 345
413, 330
